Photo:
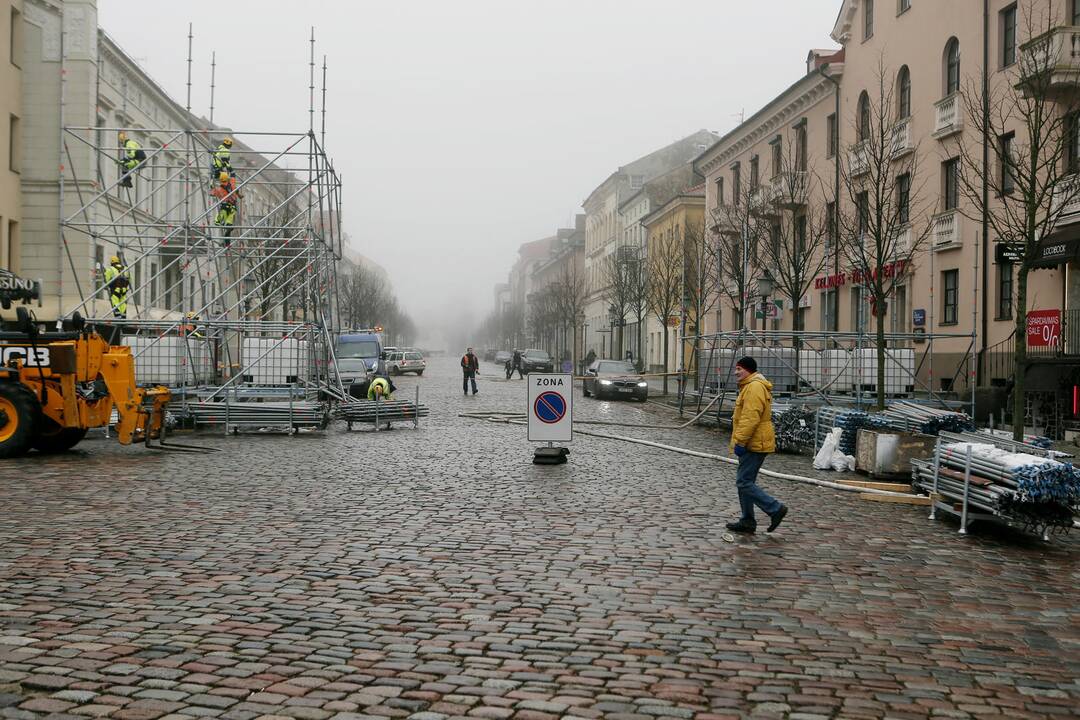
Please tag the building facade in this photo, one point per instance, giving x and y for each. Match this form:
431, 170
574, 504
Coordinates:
11, 36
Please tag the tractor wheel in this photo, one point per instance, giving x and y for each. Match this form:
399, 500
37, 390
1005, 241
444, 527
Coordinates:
20, 417
52, 438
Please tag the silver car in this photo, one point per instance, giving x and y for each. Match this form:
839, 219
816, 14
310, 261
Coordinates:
399, 362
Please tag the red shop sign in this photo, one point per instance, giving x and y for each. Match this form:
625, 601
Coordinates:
1043, 328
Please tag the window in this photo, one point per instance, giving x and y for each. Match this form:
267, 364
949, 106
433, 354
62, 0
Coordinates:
950, 281
774, 242
16, 37
800, 235
864, 117
868, 19
834, 139
754, 173
1073, 150
1007, 22
11, 262
903, 93
899, 314
903, 198
800, 146
777, 155
99, 261
1005, 291
136, 282
903, 6
859, 309
1076, 12
719, 191
1008, 180
830, 223
14, 144
952, 66
862, 205
828, 310
950, 184
152, 300
636, 181
736, 184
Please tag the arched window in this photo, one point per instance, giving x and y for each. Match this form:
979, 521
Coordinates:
863, 125
903, 93
952, 66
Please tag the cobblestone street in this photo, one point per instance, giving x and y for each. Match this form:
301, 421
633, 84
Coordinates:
439, 574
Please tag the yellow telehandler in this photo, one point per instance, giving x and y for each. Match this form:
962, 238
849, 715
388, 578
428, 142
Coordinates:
54, 386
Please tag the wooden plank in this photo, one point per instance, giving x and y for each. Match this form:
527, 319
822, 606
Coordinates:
895, 487
913, 500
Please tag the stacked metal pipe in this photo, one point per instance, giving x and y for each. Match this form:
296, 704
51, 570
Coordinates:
928, 420
366, 411
1031, 444
794, 429
850, 422
257, 414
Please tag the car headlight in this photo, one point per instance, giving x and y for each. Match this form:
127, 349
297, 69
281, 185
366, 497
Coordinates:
605, 382
643, 384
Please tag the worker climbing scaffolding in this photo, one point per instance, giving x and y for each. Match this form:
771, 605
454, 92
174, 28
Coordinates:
118, 284
228, 198
221, 160
132, 156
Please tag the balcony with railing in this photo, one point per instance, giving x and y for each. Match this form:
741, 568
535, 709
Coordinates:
948, 116
902, 244
947, 229
1051, 59
859, 158
789, 189
901, 138
1067, 199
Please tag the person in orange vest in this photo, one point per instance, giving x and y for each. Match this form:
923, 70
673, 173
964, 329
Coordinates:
228, 198
470, 367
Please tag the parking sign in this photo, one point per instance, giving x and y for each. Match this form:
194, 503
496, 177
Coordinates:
551, 402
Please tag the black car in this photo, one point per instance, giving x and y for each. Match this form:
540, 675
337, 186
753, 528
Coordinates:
534, 360
614, 379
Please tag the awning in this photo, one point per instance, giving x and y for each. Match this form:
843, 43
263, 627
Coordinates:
1057, 248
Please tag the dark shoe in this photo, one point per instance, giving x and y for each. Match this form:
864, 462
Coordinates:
743, 526
777, 518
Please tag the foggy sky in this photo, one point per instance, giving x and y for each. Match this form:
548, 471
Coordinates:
463, 128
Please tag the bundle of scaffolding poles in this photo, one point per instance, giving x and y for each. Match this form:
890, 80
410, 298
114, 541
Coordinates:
234, 413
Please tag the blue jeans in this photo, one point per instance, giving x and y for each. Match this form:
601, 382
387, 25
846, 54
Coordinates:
750, 494
470, 376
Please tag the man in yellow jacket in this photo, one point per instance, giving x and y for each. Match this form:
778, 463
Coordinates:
752, 438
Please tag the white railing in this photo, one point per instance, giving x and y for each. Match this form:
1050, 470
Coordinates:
760, 198
901, 137
858, 162
1067, 194
789, 188
1057, 52
948, 115
902, 244
947, 228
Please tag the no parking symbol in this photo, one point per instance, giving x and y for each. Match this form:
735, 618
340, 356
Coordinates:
551, 400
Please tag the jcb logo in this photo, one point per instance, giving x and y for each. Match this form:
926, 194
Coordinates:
31, 357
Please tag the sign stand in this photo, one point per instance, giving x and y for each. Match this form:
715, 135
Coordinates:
551, 402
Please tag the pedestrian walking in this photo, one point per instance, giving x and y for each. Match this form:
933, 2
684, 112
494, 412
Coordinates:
514, 364
752, 438
470, 368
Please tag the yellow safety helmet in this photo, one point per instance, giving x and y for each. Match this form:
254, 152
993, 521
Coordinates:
227, 142
114, 260
191, 314
223, 177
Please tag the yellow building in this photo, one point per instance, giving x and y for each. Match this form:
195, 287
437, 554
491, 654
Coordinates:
11, 34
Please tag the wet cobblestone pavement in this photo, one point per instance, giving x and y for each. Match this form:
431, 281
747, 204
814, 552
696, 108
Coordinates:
439, 574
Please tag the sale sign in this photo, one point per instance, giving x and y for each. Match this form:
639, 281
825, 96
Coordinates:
1043, 328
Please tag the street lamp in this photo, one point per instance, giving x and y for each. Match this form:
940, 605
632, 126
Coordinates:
765, 289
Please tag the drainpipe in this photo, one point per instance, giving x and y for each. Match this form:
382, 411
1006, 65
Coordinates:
836, 204
980, 372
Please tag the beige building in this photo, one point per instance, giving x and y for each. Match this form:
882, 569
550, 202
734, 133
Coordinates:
11, 33
926, 56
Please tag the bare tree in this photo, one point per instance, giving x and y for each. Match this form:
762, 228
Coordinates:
571, 296
798, 231
884, 222
665, 282
617, 273
1032, 131
738, 232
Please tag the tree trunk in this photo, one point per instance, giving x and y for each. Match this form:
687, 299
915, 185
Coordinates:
879, 315
666, 333
1020, 353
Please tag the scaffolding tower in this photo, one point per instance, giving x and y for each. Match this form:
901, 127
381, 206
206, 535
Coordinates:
247, 309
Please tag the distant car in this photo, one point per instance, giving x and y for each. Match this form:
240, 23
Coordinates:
387, 350
489, 355
503, 356
400, 362
614, 379
357, 357
534, 360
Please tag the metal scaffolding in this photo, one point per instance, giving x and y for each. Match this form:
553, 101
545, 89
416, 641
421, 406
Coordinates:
212, 307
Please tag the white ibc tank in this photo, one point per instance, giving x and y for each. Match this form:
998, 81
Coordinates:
837, 371
713, 368
899, 370
273, 362
775, 363
168, 360
810, 368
